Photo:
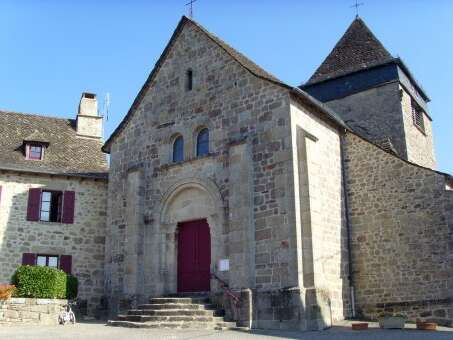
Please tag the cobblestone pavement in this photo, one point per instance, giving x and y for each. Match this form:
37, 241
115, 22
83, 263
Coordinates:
97, 331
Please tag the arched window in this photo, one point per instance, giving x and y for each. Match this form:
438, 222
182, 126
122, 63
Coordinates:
189, 80
203, 142
178, 149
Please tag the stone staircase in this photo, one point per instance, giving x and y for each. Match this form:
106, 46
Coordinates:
175, 312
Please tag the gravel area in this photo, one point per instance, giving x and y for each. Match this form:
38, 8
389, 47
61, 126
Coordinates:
98, 331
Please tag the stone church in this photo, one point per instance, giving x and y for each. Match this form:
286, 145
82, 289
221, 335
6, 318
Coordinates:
288, 207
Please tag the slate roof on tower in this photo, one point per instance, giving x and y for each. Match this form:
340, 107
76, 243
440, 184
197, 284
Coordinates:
64, 154
358, 49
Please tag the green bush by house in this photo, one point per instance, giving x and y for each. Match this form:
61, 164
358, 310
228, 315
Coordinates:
72, 285
44, 282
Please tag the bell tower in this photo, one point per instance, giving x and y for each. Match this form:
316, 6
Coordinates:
376, 95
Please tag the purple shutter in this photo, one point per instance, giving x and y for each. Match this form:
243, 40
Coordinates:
68, 207
28, 259
66, 263
34, 199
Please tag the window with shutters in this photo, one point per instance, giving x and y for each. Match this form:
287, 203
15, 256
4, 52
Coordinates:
47, 261
51, 206
63, 262
418, 116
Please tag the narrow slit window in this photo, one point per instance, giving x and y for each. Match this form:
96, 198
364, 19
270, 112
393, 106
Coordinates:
189, 77
203, 143
178, 149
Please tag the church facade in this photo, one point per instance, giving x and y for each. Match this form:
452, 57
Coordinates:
294, 201
312, 204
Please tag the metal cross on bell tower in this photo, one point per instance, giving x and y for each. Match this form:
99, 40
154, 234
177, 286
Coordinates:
357, 5
190, 4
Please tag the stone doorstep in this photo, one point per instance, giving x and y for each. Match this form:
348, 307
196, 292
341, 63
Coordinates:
176, 306
178, 318
183, 300
174, 325
173, 312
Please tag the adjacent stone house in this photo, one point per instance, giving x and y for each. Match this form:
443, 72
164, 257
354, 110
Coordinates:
312, 203
53, 195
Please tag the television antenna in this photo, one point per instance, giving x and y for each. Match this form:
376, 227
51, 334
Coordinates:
106, 106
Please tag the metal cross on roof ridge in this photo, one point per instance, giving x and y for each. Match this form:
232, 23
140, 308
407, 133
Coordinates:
357, 5
190, 4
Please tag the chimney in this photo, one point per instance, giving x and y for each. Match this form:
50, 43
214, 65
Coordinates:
89, 123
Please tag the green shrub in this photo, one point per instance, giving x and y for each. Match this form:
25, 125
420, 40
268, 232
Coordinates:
72, 286
44, 282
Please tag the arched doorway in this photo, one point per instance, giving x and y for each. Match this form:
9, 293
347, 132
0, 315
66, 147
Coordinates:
189, 204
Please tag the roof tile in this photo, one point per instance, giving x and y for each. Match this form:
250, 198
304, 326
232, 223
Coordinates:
66, 153
356, 50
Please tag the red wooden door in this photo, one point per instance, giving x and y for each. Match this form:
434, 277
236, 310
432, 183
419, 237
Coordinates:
194, 256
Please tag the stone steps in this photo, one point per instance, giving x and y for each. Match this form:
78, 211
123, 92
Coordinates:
162, 318
175, 325
186, 311
172, 312
156, 306
179, 300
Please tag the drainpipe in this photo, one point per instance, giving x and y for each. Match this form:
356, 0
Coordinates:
348, 224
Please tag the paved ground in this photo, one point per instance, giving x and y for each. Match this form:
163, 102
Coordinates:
93, 331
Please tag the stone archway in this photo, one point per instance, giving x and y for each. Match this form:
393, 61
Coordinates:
186, 200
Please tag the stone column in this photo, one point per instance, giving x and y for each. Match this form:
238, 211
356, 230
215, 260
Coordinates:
133, 243
241, 229
308, 278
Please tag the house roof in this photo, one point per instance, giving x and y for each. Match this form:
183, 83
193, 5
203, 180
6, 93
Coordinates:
65, 152
248, 64
37, 136
357, 49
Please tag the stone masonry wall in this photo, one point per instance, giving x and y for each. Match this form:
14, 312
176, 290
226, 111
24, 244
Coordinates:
375, 114
31, 311
319, 207
84, 240
237, 107
402, 227
250, 215
420, 145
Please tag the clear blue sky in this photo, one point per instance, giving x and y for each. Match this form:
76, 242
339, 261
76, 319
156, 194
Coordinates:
53, 50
